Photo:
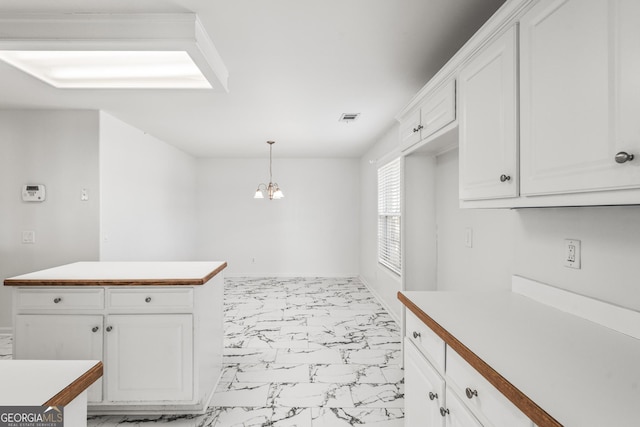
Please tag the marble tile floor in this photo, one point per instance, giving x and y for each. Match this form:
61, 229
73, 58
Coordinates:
303, 352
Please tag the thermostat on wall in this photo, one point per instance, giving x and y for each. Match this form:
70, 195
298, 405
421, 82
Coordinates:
33, 193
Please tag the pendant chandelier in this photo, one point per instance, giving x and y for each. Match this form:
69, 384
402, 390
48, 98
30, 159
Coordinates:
271, 190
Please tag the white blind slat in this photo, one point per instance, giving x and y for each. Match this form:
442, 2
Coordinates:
389, 216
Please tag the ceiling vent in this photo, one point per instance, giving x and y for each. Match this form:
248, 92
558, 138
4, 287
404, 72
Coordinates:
349, 117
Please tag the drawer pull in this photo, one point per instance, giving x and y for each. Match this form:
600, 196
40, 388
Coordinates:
56, 300
109, 328
504, 178
444, 412
95, 329
433, 396
147, 299
470, 393
623, 157
416, 335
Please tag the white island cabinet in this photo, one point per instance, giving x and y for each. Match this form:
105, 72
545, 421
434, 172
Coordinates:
157, 327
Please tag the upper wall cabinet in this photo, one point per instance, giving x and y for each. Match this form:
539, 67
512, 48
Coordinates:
488, 121
436, 111
580, 97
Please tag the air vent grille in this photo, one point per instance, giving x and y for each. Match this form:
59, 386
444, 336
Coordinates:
349, 117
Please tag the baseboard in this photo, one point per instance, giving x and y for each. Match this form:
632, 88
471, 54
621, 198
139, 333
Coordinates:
382, 302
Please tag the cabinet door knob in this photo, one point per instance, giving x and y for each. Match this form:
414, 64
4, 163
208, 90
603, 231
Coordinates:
420, 127
623, 157
416, 335
433, 396
470, 393
109, 328
57, 300
147, 299
95, 329
443, 411
504, 178
415, 130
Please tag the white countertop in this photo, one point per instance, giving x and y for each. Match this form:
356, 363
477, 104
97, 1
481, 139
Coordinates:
189, 272
35, 382
579, 372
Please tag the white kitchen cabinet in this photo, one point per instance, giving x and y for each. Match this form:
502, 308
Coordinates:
150, 357
580, 96
456, 414
437, 110
488, 125
61, 336
157, 328
424, 390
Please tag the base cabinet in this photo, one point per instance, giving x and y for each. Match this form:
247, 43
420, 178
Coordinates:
150, 357
61, 336
424, 390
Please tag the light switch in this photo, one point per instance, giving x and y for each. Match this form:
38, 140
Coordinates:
28, 237
468, 237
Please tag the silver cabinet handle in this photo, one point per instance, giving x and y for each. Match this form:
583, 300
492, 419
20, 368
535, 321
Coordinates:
95, 329
433, 396
147, 299
57, 300
504, 178
623, 157
109, 328
470, 393
416, 335
443, 411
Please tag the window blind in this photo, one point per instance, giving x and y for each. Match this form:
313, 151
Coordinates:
389, 216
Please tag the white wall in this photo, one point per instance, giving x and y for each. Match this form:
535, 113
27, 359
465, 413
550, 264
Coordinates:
380, 280
313, 231
148, 196
488, 264
60, 150
530, 242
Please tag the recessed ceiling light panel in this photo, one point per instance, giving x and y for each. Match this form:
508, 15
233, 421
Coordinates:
112, 51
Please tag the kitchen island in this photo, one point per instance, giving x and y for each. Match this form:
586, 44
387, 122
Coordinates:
157, 327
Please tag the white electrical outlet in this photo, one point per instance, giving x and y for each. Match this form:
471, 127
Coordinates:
572, 253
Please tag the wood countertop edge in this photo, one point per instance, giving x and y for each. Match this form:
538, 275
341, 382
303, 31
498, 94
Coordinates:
118, 282
73, 390
538, 415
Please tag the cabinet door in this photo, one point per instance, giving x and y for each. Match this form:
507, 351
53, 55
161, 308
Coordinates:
488, 122
424, 390
149, 357
580, 96
60, 337
457, 414
410, 130
438, 110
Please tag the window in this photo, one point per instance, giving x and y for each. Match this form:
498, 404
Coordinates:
389, 253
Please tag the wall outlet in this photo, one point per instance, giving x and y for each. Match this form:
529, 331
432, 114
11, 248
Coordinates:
572, 253
84, 195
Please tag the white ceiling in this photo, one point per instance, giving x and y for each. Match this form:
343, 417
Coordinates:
294, 67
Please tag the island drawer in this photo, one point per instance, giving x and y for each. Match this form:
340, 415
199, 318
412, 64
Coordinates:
430, 344
59, 298
143, 298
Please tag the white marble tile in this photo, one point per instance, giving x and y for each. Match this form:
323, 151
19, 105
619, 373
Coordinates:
316, 356
373, 356
6, 347
241, 394
393, 374
248, 355
310, 395
378, 395
361, 417
272, 373
347, 374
